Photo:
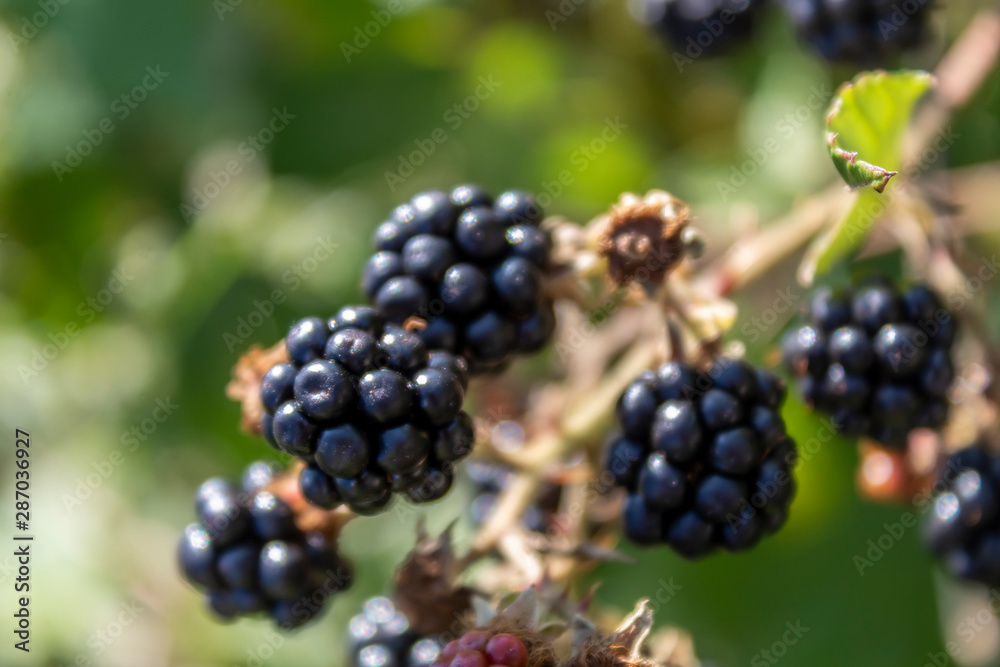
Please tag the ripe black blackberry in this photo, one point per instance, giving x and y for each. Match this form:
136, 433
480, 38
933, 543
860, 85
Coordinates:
381, 636
250, 558
876, 359
369, 409
489, 479
864, 32
472, 268
704, 457
701, 26
963, 524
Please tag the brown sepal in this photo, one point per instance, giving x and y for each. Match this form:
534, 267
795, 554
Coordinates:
245, 385
426, 588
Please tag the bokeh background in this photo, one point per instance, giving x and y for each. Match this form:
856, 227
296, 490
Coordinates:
134, 270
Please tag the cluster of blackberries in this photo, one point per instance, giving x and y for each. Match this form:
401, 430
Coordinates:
876, 359
963, 524
489, 479
471, 268
704, 457
867, 32
380, 636
482, 648
701, 26
250, 557
369, 409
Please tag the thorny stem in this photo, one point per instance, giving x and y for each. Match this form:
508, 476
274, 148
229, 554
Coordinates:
576, 428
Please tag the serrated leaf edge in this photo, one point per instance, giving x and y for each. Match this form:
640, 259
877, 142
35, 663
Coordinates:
857, 173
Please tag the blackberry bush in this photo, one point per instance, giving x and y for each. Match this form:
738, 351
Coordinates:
702, 26
963, 525
875, 358
703, 456
250, 558
866, 32
472, 268
368, 409
381, 636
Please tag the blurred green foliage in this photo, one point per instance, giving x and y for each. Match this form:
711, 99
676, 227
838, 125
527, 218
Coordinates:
105, 167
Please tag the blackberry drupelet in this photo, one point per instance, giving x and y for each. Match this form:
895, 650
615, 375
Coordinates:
697, 27
704, 457
864, 32
963, 524
876, 359
249, 557
472, 268
381, 636
489, 479
369, 410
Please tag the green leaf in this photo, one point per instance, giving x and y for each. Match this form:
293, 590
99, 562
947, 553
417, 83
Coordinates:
866, 123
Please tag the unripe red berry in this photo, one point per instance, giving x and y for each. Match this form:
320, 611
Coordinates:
507, 650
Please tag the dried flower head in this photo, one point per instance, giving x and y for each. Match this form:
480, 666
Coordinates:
644, 239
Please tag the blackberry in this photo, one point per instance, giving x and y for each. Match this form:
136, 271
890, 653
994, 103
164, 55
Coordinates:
472, 268
875, 358
381, 636
963, 524
489, 479
369, 410
701, 26
249, 557
483, 647
864, 32
703, 456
